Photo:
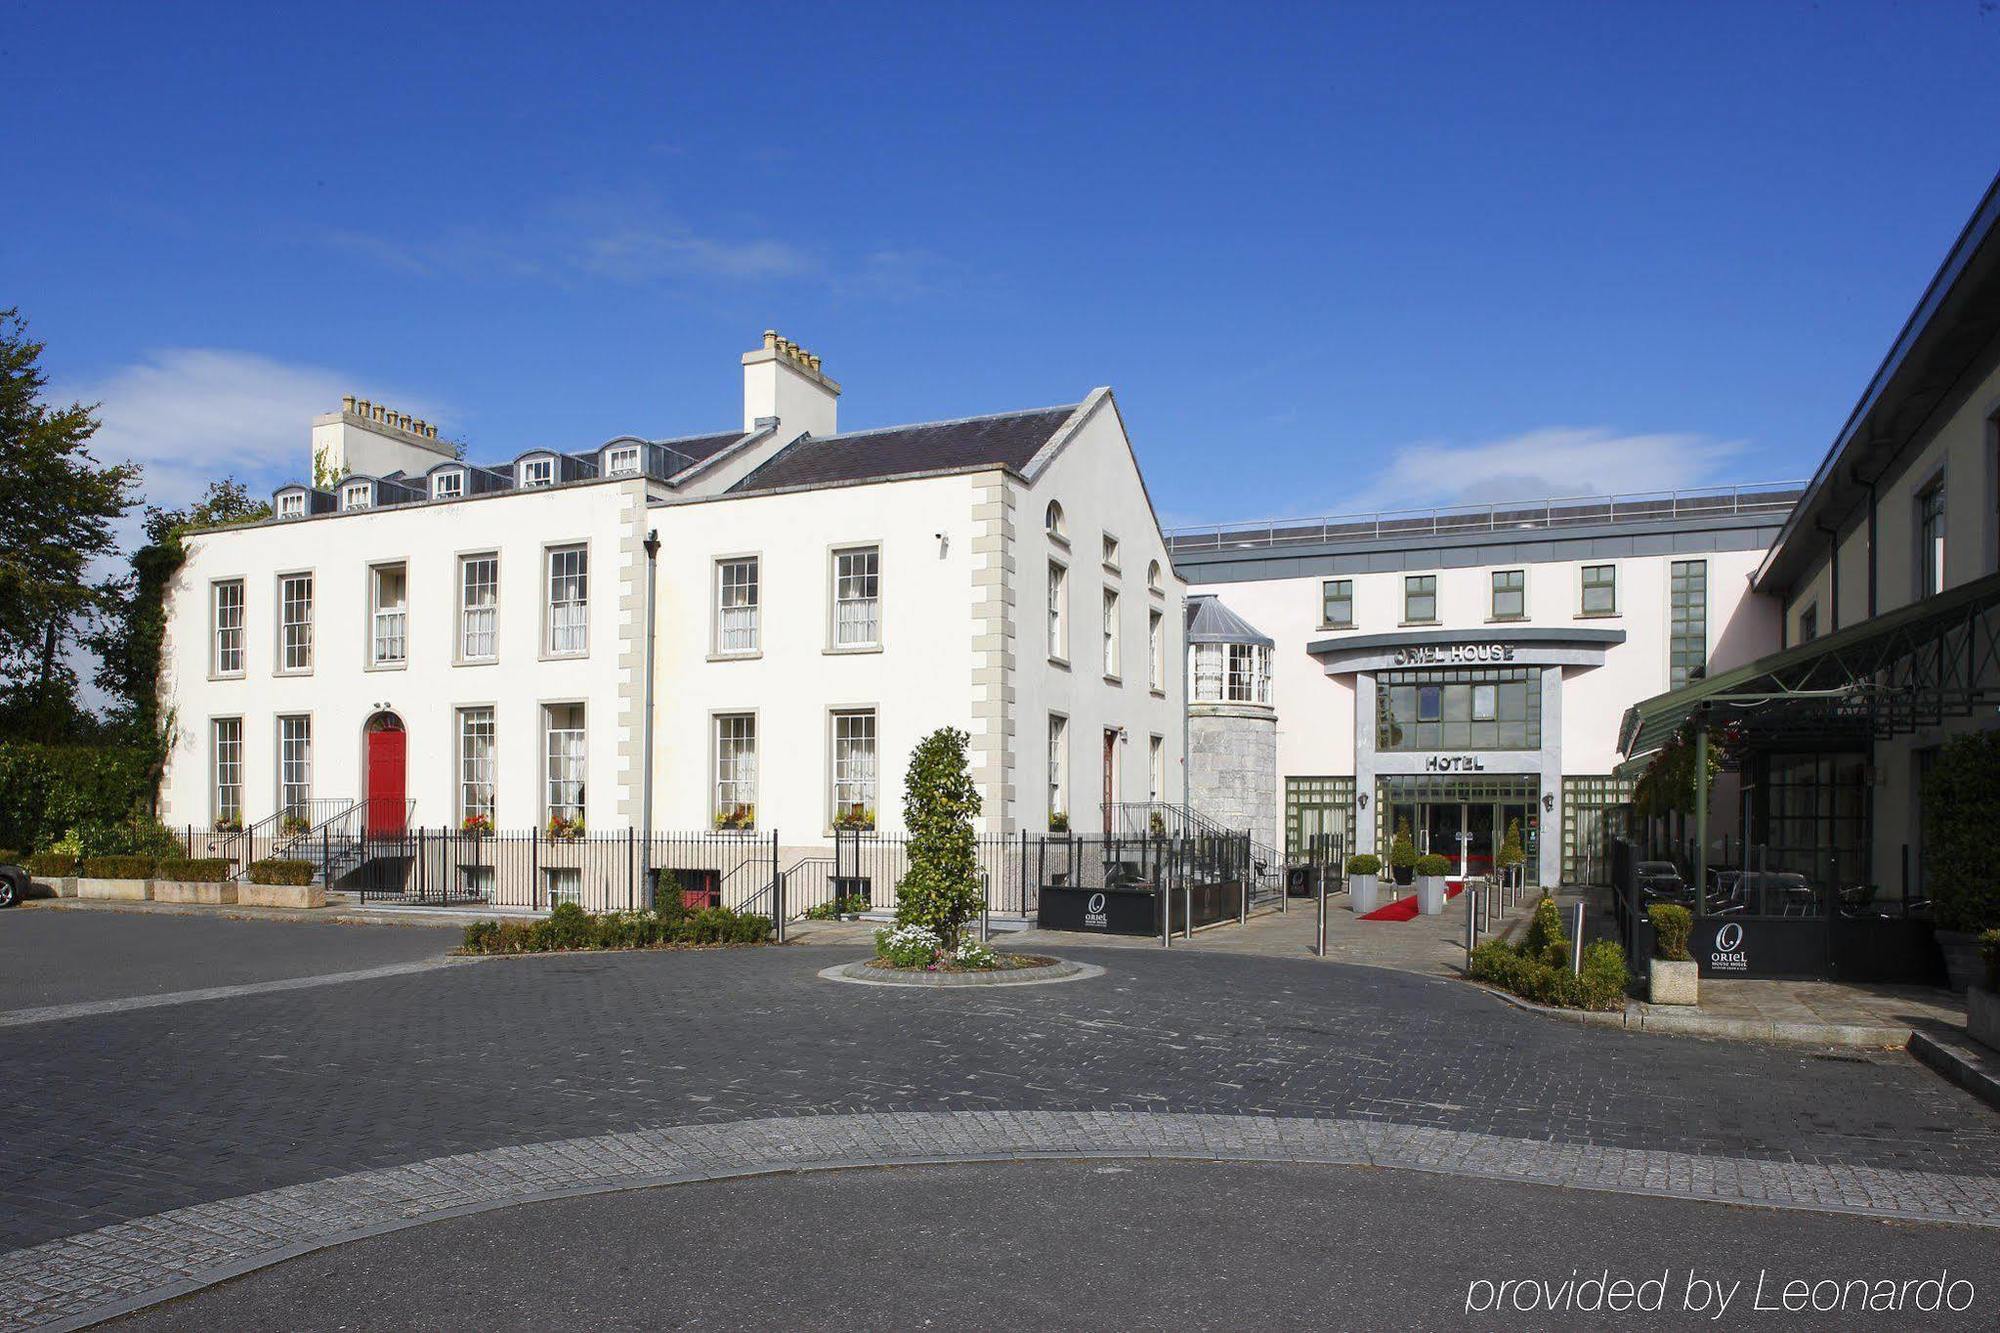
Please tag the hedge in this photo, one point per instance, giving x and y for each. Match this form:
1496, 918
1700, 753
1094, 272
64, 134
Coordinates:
1601, 984
48, 789
570, 927
1671, 925
1364, 864
1961, 808
201, 870
1433, 866
52, 865
119, 867
276, 870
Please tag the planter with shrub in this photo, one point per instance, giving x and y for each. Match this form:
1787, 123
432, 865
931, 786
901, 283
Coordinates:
204, 880
1403, 854
1364, 882
117, 878
1982, 1003
1675, 977
1537, 969
1430, 872
670, 925
1961, 808
57, 870
279, 882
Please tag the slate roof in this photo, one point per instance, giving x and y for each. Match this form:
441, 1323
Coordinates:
1008, 439
1209, 621
701, 448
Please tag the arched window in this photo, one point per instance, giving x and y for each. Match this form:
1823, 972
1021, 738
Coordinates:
1052, 521
1153, 576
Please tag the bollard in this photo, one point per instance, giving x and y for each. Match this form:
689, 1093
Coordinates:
1471, 921
1187, 911
1319, 885
1576, 942
1161, 900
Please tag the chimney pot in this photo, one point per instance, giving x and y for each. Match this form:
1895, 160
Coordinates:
347, 402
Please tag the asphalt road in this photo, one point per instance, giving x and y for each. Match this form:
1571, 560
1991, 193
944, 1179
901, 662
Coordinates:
51, 956
1144, 1244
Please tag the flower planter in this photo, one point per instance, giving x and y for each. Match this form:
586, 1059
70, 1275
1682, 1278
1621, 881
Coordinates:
1963, 966
196, 891
1675, 982
1364, 893
1430, 894
281, 895
115, 890
1982, 1015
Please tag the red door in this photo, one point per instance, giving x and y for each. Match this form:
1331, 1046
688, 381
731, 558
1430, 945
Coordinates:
386, 801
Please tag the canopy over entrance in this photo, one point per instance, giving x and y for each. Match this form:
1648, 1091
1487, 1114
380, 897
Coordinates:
1910, 668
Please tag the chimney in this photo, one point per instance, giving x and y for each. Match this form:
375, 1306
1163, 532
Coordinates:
782, 379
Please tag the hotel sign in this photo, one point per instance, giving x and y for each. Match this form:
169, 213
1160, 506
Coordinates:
1453, 654
1454, 763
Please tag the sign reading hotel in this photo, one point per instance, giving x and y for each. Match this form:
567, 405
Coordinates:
1454, 763
1452, 654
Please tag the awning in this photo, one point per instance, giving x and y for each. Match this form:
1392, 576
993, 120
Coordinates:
1902, 670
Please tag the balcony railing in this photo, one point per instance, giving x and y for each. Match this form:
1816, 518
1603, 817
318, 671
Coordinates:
1775, 497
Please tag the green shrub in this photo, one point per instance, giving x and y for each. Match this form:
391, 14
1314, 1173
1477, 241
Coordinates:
1671, 925
45, 789
941, 889
1989, 949
129, 837
1402, 851
202, 870
1961, 808
1511, 853
570, 927
279, 870
1364, 864
8, 856
481, 936
1604, 976
1545, 941
52, 865
119, 867
1433, 866
1601, 984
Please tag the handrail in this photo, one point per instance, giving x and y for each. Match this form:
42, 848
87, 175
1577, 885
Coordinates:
1507, 515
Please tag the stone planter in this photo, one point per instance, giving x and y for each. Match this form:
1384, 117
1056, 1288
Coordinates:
281, 895
115, 890
1675, 982
62, 886
1430, 894
1982, 1016
1364, 893
1962, 964
204, 894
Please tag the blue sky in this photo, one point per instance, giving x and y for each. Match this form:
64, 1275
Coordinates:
1330, 257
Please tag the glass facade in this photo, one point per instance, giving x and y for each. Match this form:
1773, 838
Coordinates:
1459, 710
1687, 642
1319, 819
1816, 820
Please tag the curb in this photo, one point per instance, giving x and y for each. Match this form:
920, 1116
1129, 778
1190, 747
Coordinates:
1968, 1069
861, 974
1637, 1018
341, 916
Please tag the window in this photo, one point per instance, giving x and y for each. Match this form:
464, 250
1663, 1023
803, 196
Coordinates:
1052, 523
226, 614
292, 504
563, 747
1249, 679
1153, 583
226, 756
357, 495
569, 601
538, 472
478, 608
1474, 709
1420, 599
1510, 594
1156, 770
389, 612
447, 485
736, 770
1337, 603
1059, 613
1600, 590
1208, 660
295, 622
621, 459
736, 599
1110, 551
294, 766
857, 605
1687, 621
854, 768
1809, 623
475, 764
1930, 539
1058, 765
565, 884
1110, 632
1156, 651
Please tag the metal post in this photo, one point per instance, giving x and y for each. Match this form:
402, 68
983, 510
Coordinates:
1187, 910
1701, 803
1471, 921
985, 907
778, 908
1576, 942
1319, 892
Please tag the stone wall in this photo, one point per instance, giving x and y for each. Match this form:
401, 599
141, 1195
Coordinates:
1233, 767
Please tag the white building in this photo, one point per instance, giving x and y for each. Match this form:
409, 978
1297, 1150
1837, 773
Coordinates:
454, 641
1459, 670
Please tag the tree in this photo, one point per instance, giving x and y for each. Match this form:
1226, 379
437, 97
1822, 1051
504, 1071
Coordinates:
1961, 809
940, 801
57, 507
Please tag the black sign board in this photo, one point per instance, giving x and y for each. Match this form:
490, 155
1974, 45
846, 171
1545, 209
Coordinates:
1749, 946
1099, 911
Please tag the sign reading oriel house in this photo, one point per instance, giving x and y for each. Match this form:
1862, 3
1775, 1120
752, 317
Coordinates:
1453, 654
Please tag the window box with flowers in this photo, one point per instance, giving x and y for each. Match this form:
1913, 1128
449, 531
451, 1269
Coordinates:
855, 819
565, 828
476, 826
228, 825
293, 825
1058, 821
736, 819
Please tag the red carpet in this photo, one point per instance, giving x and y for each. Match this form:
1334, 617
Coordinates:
1405, 909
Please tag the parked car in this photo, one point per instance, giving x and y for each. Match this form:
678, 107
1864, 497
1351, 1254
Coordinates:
1659, 882
13, 884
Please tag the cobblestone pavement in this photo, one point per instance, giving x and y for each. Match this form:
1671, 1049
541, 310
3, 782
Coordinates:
127, 1115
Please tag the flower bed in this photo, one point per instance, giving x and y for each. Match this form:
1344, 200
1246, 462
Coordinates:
1538, 968
918, 949
668, 926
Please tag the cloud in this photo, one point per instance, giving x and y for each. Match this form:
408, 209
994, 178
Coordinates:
636, 254
1554, 462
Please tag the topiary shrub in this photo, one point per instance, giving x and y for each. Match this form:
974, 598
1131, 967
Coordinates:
1510, 853
201, 870
1961, 808
280, 870
52, 865
1364, 864
941, 891
1989, 950
1433, 866
569, 927
1402, 851
119, 867
1671, 925
1545, 940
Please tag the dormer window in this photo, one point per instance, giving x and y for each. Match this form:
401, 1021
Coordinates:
357, 495
621, 460
292, 504
538, 472
447, 486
